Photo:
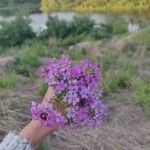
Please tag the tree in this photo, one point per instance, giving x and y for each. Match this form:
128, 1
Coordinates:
98, 5
56, 28
15, 32
45, 5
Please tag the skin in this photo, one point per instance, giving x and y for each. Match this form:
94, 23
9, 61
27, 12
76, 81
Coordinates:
33, 131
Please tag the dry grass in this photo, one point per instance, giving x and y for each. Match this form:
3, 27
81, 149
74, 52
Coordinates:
124, 129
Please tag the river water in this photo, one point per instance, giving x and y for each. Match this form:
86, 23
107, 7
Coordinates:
38, 21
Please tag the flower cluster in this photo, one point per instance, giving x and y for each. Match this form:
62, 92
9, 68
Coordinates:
47, 115
78, 94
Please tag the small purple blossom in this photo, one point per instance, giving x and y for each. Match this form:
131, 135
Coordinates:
84, 92
52, 118
60, 86
71, 113
72, 98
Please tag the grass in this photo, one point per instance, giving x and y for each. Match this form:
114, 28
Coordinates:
143, 37
118, 24
77, 54
107, 60
43, 146
43, 90
8, 81
21, 105
120, 70
27, 59
117, 71
114, 80
71, 39
141, 90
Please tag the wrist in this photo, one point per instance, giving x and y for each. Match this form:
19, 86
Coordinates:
35, 133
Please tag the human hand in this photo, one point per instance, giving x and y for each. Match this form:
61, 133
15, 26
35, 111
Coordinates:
48, 95
34, 131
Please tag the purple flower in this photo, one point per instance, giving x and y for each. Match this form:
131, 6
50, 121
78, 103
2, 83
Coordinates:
77, 86
60, 86
71, 112
53, 117
82, 114
84, 92
72, 98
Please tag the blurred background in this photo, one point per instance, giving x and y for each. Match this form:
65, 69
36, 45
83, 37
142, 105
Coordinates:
114, 33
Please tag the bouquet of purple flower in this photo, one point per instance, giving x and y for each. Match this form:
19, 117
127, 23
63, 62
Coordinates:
77, 99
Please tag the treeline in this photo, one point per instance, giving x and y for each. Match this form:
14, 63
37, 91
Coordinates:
67, 33
14, 7
9, 2
138, 6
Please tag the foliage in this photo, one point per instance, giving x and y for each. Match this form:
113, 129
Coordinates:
28, 58
68, 33
80, 28
19, 67
14, 7
80, 25
48, 4
8, 2
104, 31
35, 47
61, 28
71, 39
55, 27
113, 26
15, 32
96, 5
117, 72
141, 89
119, 25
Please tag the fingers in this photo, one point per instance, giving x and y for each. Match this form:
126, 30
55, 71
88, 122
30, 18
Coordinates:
49, 94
